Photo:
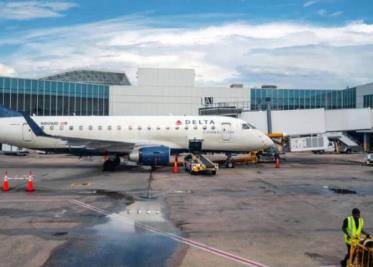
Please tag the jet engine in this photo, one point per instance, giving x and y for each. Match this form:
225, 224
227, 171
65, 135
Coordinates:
151, 156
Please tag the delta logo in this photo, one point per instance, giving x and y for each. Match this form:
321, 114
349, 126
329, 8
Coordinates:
194, 122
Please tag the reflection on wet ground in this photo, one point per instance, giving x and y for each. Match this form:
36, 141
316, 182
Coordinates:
119, 241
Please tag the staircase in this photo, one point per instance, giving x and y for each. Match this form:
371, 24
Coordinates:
343, 138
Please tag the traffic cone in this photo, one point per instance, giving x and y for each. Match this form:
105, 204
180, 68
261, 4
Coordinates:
6, 182
175, 168
277, 163
30, 185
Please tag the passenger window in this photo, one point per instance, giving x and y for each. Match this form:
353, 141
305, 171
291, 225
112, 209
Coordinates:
130, 128
139, 128
212, 127
186, 127
81, 128
158, 127
90, 127
149, 128
109, 127
119, 128
177, 128
99, 128
195, 127
61, 128
51, 127
204, 127
71, 127
167, 127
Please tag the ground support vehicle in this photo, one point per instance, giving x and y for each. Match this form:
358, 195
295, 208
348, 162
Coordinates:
199, 164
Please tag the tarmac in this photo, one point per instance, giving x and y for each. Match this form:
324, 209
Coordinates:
252, 215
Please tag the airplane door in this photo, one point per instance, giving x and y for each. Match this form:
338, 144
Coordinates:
226, 131
26, 133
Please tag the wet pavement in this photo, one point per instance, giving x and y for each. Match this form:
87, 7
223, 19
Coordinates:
79, 216
118, 241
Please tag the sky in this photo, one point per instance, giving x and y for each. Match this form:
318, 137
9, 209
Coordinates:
289, 43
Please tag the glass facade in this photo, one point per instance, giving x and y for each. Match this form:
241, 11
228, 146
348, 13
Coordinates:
54, 98
287, 99
368, 101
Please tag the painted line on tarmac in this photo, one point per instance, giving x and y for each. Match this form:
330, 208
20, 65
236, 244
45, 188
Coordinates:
180, 239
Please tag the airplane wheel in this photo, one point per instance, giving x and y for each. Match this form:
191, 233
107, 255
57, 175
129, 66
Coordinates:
117, 161
109, 166
229, 164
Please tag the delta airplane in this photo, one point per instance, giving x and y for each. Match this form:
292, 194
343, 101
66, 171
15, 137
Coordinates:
147, 140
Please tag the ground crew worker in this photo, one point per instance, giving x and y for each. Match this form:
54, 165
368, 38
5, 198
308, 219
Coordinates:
352, 227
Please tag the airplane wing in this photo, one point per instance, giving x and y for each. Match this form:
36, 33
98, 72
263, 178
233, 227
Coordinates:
97, 145
84, 143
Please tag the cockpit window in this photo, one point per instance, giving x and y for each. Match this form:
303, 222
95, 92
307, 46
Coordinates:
246, 126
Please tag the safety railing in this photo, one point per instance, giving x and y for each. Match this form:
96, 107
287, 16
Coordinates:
361, 253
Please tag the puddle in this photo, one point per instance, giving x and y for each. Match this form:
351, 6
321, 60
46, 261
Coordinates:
341, 190
120, 241
111, 194
59, 233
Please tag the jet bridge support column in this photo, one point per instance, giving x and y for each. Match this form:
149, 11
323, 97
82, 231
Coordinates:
269, 115
366, 142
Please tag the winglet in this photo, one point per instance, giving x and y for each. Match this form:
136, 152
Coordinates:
34, 127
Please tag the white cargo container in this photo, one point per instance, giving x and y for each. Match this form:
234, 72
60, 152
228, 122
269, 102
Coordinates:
316, 144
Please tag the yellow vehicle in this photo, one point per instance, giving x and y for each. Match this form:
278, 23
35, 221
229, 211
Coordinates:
197, 163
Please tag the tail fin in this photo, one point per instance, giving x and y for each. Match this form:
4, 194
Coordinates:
34, 127
5, 113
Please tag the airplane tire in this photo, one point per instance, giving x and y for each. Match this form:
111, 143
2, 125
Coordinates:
109, 166
229, 164
116, 161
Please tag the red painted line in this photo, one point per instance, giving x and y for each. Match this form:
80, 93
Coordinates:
183, 240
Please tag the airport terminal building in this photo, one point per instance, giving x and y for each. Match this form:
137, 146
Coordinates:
173, 92
161, 92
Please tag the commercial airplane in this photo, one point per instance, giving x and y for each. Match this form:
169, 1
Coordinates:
147, 140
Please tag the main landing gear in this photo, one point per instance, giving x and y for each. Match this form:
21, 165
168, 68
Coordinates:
111, 163
229, 163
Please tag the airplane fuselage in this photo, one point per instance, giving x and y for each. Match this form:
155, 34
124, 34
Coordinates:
217, 133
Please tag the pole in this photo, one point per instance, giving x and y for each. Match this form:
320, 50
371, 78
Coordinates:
269, 115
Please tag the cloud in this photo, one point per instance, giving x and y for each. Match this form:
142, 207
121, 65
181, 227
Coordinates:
310, 3
284, 53
336, 14
322, 12
27, 10
6, 71
325, 13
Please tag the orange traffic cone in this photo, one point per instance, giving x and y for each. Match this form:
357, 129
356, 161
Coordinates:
6, 182
175, 168
30, 185
277, 163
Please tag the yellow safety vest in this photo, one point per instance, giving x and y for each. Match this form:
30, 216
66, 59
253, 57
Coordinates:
351, 229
